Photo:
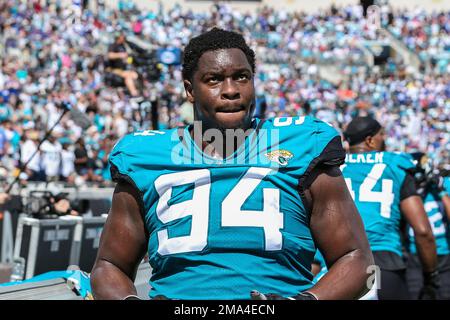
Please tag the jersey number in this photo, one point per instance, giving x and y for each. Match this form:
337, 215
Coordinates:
366, 194
270, 218
435, 219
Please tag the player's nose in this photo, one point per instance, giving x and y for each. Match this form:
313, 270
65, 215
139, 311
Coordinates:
230, 90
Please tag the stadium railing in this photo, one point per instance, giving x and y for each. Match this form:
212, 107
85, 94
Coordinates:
68, 285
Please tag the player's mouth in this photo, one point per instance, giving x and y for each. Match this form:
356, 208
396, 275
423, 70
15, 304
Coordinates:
231, 109
230, 116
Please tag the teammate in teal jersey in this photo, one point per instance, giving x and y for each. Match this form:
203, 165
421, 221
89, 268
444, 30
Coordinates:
431, 188
445, 193
382, 186
239, 222
447, 185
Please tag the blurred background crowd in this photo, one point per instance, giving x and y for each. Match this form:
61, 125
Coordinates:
334, 64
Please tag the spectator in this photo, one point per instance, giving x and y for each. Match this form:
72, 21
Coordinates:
31, 157
81, 158
3, 142
117, 64
67, 161
51, 157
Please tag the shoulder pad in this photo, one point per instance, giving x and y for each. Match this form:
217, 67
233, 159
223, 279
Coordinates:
402, 160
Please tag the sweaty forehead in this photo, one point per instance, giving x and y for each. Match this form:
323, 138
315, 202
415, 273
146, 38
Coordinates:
222, 60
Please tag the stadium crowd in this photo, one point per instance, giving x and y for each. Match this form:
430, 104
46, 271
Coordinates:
51, 54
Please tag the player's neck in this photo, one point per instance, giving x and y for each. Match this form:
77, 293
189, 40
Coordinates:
360, 149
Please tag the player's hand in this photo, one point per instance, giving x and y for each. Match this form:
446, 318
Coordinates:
256, 295
431, 284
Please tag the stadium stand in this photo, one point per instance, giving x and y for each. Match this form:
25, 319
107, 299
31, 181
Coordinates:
323, 64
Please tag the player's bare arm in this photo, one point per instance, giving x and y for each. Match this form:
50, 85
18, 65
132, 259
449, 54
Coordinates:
339, 233
414, 212
122, 246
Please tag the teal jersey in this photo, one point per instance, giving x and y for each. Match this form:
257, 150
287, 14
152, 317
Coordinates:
318, 258
447, 185
105, 172
375, 180
220, 228
438, 221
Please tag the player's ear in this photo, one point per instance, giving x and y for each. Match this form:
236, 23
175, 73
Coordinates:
369, 142
189, 91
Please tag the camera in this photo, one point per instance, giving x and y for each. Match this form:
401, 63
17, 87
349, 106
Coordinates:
145, 62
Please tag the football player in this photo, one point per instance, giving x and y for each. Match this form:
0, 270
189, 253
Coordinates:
431, 188
221, 222
382, 186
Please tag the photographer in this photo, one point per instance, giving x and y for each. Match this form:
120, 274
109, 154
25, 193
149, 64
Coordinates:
436, 200
117, 63
62, 206
46, 205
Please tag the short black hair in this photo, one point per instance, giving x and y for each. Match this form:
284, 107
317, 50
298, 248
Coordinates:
360, 128
214, 39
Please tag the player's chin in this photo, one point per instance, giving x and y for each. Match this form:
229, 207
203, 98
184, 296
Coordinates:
231, 120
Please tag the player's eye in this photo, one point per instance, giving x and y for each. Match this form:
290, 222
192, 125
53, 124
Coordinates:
213, 79
242, 76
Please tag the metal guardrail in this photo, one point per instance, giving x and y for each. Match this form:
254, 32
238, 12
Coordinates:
89, 192
62, 289
54, 289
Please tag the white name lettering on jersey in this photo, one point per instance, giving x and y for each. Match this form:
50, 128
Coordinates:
364, 158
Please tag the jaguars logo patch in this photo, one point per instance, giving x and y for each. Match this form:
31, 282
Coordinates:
281, 157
